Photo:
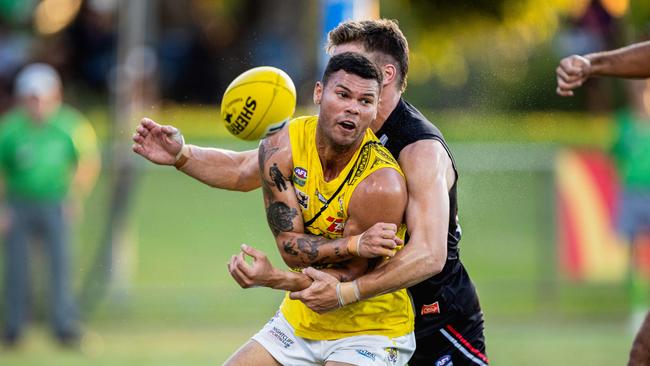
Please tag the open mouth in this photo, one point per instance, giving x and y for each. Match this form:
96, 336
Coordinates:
347, 125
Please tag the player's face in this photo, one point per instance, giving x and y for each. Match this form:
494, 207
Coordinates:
348, 104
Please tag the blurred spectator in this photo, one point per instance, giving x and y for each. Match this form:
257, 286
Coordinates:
631, 153
49, 162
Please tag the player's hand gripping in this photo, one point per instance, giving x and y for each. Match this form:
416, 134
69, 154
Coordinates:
571, 73
157, 143
250, 275
321, 295
378, 241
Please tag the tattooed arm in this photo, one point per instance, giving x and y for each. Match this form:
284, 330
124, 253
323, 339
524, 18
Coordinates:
380, 197
283, 214
283, 211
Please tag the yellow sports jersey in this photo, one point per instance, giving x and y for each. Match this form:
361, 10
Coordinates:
391, 314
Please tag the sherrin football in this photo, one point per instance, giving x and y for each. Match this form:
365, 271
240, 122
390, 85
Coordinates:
258, 102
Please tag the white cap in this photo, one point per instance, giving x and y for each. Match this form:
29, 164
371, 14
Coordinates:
37, 80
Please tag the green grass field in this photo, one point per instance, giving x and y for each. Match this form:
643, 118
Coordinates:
173, 302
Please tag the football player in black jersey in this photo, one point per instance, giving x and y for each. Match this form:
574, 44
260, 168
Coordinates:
449, 320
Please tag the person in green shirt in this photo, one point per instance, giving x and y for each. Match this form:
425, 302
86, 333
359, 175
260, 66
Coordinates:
631, 152
48, 163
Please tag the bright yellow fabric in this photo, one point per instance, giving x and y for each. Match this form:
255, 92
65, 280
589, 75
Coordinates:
391, 314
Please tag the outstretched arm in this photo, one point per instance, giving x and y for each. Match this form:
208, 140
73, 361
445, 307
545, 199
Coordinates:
219, 168
628, 62
427, 218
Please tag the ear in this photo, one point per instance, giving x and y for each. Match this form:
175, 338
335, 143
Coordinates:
390, 73
318, 92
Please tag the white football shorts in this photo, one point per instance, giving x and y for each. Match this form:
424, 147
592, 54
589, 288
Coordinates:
279, 339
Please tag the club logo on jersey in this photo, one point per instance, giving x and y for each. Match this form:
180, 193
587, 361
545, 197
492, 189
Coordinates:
444, 361
300, 176
430, 309
303, 199
366, 353
391, 354
337, 226
341, 211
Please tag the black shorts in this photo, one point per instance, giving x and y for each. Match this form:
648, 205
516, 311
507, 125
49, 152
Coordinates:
460, 342
448, 320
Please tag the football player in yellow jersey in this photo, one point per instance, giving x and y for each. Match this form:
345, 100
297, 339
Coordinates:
328, 175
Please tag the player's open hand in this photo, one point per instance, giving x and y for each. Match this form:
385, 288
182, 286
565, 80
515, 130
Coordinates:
157, 143
320, 296
571, 73
250, 275
379, 241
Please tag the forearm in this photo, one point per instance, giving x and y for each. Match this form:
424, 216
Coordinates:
304, 250
296, 281
640, 353
288, 281
349, 272
410, 266
224, 169
628, 62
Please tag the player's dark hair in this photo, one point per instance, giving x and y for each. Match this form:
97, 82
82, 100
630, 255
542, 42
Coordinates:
353, 63
382, 37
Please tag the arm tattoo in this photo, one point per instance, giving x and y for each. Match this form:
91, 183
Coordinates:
337, 252
288, 248
310, 246
277, 177
280, 216
264, 153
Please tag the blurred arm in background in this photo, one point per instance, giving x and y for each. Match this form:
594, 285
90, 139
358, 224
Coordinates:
632, 61
88, 166
218, 168
640, 353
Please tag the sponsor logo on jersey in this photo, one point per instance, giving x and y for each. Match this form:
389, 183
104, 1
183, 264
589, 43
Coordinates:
366, 353
303, 198
391, 354
444, 361
430, 309
321, 197
337, 225
283, 338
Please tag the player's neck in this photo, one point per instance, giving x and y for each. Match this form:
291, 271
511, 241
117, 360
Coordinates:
390, 96
334, 158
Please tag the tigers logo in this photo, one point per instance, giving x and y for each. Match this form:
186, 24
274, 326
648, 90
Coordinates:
391, 354
430, 309
341, 212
